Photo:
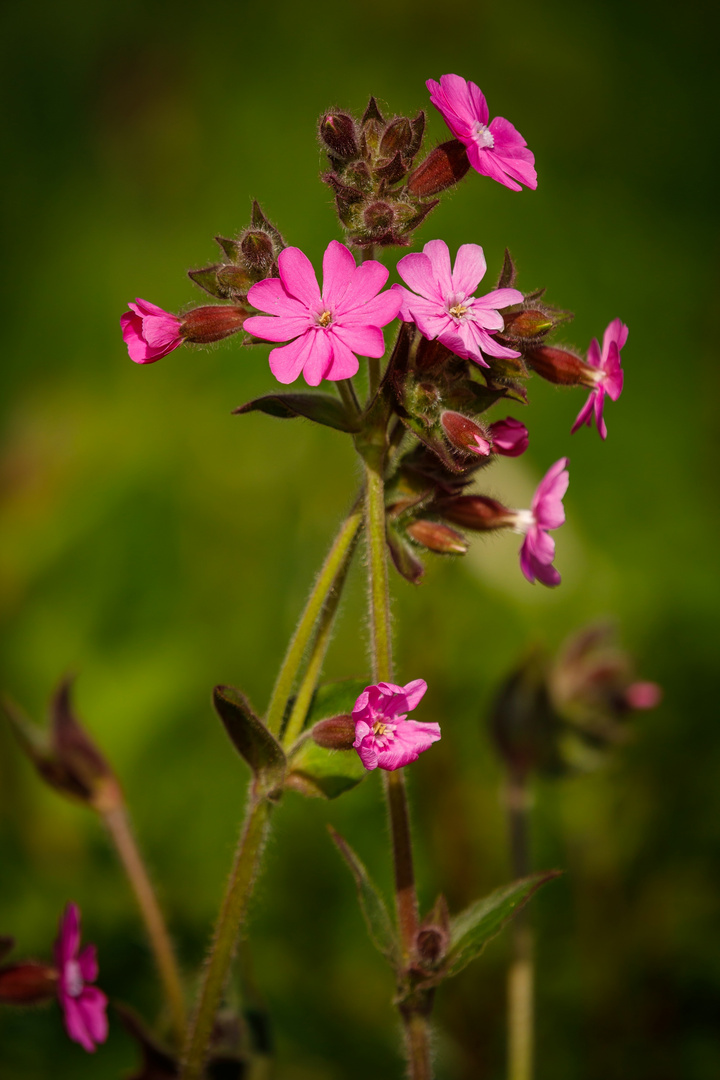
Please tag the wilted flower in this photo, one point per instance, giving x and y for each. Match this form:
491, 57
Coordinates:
384, 737
607, 373
546, 512
149, 332
494, 149
83, 1005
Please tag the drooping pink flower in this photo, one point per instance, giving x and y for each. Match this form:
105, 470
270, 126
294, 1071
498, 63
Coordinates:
495, 149
446, 308
327, 329
546, 512
149, 332
384, 737
509, 437
608, 376
83, 1005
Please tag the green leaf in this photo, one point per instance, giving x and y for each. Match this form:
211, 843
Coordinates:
334, 699
471, 930
207, 279
322, 408
379, 924
231, 248
323, 774
250, 737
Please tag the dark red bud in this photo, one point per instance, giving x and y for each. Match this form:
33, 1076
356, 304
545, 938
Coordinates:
337, 733
212, 323
443, 167
397, 137
465, 434
475, 512
337, 131
258, 250
379, 216
437, 537
526, 324
560, 366
431, 944
27, 983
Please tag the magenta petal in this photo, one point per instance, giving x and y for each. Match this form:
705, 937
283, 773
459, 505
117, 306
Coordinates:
270, 296
366, 340
599, 406
485, 316
501, 298
613, 382
75, 1023
287, 362
432, 320
344, 363
478, 103
616, 333
276, 328
93, 1004
469, 269
132, 336
144, 307
367, 280
490, 346
414, 693
509, 436
379, 311
88, 963
594, 358
338, 270
416, 271
68, 939
439, 255
298, 277
585, 414
319, 357
486, 162
368, 753
547, 501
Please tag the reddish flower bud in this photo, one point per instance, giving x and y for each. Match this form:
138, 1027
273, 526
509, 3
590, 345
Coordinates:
443, 167
437, 537
337, 733
465, 434
560, 366
528, 323
379, 217
475, 512
258, 251
27, 983
397, 137
337, 131
212, 323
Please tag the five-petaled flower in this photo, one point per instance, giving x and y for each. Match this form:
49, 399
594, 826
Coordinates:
494, 149
149, 332
546, 512
83, 1005
327, 329
446, 308
384, 737
608, 376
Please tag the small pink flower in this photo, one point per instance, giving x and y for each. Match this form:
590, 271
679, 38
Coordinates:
384, 736
643, 695
538, 548
149, 332
445, 307
608, 376
327, 328
83, 1005
496, 149
509, 437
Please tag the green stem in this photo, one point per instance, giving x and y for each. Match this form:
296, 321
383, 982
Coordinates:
118, 825
237, 894
521, 974
301, 638
349, 397
374, 373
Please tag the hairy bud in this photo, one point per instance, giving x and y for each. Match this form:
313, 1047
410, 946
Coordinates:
559, 366
27, 983
212, 323
528, 323
337, 733
465, 434
476, 512
444, 166
437, 537
337, 131
258, 251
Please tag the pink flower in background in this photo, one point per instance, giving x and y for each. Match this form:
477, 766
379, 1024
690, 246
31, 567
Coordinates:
384, 737
149, 332
83, 1005
445, 307
547, 512
327, 328
510, 437
608, 376
496, 149
643, 695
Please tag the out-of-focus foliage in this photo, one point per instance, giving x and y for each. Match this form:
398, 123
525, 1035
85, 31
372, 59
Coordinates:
159, 545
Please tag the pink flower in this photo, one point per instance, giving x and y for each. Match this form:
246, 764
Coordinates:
496, 149
384, 736
608, 376
538, 548
510, 437
83, 1005
327, 328
445, 307
643, 695
149, 332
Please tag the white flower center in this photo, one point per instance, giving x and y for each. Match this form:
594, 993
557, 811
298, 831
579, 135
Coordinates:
482, 135
523, 521
73, 979
457, 311
324, 318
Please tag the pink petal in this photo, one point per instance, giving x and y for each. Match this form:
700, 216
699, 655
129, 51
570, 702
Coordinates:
344, 362
367, 280
534, 570
432, 320
479, 104
585, 414
501, 298
541, 545
68, 939
416, 271
594, 358
319, 357
411, 739
505, 135
161, 332
368, 753
469, 269
452, 102
616, 332
93, 1004
414, 693
132, 336
486, 163
338, 270
599, 406
75, 1024
287, 362
144, 307
366, 340
547, 501
439, 255
270, 296
613, 382
298, 277
277, 328
88, 963
376, 312
509, 437
485, 316
490, 346
643, 695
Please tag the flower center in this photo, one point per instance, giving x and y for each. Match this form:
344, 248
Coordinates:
379, 728
324, 319
482, 135
73, 979
523, 521
457, 311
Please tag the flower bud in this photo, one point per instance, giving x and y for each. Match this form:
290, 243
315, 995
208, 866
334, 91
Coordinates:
337, 733
27, 983
465, 434
528, 323
437, 537
337, 131
509, 437
258, 251
397, 137
433, 937
212, 323
560, 366
379, 217
474, 512
443, 167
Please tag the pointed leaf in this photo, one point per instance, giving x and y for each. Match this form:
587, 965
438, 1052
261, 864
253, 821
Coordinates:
471, 930
380, 927
250, 737
322, 408
321, 773
230, 247
508, 272
259, 221
207, 279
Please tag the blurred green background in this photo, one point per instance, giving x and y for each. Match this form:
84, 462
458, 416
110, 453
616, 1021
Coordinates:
157, 545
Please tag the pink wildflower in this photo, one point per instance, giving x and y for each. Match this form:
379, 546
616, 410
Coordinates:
608, 375
538, 548
445, 307
509, 437
496, 149
149, 332
384, 736
327, 328
643, 695
83, 1005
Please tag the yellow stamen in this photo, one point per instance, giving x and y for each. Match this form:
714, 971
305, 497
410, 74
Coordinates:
458, 311
378, 728
325, 319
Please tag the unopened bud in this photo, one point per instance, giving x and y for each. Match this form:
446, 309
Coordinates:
337, 131
379, 216
444, 166
476, 512
437, 537
337, 733
27, 983
465, 434
529, 323
397, 137
258, 251
560, 366
212, 323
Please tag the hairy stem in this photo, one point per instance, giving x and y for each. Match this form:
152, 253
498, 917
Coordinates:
118, 825
349, 397
232, 912
322, 588
521, 973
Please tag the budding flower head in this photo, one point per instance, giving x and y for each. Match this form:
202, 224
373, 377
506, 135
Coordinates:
384, 737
